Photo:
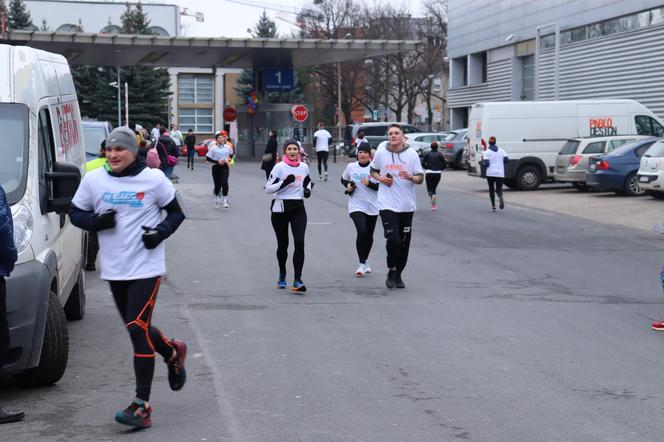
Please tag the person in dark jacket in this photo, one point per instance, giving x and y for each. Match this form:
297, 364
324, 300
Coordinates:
190, 142
167, 147
8, 256
434, 163
270, 149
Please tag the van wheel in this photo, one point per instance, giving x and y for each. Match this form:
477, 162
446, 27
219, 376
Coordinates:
655, 194
528, 177
75, 306
55, 348
631, 186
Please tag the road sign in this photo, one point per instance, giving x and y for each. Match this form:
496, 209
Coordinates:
230, 114
300, 113
278, 79
374, 115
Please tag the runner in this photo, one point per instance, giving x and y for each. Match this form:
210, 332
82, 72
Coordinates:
220, 155
434, 163
322, 143
397, 168
362, 204
290, 183
124, 206
494, 159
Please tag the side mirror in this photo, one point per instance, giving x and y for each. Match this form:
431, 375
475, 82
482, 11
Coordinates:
64, 181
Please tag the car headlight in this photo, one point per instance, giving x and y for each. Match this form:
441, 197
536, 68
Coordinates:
23, 227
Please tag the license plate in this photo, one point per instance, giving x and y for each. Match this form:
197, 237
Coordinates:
643, 179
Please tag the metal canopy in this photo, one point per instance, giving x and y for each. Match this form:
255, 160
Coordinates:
151, 50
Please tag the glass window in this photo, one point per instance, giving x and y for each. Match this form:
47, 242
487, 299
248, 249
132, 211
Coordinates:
570, 147
643, 149
375, 131
198, 120
657, 16
573, 35
596, 147
93, 136
547, 41
195, 89
614, 144
656, 150
410, 129
14, 165
646, 125
451, 136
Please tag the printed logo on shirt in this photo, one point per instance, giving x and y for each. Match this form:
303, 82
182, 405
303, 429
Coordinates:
359, 176
395, 167
131, 199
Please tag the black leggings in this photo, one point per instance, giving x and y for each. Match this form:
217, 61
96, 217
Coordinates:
321, 156
220, 178
365, 226
498, 183
135, 301
432, 179
298, 222
397, 226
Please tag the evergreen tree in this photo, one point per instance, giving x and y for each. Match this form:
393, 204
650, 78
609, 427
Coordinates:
18, 16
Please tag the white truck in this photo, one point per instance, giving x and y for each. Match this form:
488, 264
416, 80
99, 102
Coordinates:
42, 159
533, 132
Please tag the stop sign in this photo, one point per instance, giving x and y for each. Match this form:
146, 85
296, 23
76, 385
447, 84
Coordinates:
300, 113
230, 114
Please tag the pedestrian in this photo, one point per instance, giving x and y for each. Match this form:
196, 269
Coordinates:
124, 206
155, 133
93, 241
359, 139
290, 183
397, 168
8, 256
362, 204
434, 163
176, 135
167, 145
494, 159
270, 153
190, 142
220, 155
322, 144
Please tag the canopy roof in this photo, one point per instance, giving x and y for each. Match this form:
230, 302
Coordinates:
152, 50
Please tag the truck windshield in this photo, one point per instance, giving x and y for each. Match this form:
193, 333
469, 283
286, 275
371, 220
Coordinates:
93, 136
14, 150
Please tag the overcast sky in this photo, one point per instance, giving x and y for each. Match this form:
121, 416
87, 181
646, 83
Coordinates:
228, 19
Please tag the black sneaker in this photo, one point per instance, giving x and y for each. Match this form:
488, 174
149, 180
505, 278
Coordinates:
298, 287
502, 203
391, 280
137, 415
399, 282
9, 416
177, 375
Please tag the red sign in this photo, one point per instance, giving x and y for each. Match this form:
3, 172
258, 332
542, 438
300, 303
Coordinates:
230, 114
300, 113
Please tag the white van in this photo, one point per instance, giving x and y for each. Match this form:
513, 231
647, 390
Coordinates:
533, 132
42, 158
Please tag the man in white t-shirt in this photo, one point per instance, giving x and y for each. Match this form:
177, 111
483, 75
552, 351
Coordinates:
494, 159
155, 133
322, 143
123, 203
398, 169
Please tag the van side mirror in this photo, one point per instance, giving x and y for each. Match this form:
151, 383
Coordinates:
64, 180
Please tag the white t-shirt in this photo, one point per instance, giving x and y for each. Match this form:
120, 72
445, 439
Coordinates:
295, 190
363, 198
177, 137
382, 145
496, 162
138, 201
155, 133
217, 153
322, 140
359, 141
400, 196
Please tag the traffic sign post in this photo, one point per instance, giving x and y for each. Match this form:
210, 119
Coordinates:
230, 114
300, 113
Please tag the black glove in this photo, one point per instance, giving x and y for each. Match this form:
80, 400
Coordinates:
104, 220
151, 237
350, 192
289, 179
307, 192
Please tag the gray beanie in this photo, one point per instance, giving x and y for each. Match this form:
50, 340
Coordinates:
122, 137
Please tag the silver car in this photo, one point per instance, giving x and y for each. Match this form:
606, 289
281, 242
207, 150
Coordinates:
421, 141
452, 147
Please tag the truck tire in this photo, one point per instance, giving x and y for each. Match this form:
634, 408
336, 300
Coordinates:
55, 348
75, 306
528, 177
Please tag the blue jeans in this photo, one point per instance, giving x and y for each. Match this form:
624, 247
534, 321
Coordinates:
168, 171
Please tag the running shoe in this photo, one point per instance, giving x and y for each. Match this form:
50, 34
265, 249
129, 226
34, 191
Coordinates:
399, 282
391, 280
137, 414
177, 375
216, 202
502, 203
367, 268
325, 176
320, 177
226, 206
658, 325
360, 271
433, 207
493, 209
281, 284
298, 287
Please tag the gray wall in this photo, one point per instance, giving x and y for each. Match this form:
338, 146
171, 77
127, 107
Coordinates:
478, 25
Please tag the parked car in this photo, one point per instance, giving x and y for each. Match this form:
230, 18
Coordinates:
453, 146
616, 171
421, 141
650, 175
201, 149
375, 133
94, 132
573, 159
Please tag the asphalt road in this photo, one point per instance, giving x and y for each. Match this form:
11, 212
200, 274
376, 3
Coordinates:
521, 325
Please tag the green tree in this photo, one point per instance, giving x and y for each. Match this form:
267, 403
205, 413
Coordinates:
18, 16
135, 21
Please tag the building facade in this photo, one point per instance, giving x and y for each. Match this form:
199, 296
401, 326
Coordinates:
515, 50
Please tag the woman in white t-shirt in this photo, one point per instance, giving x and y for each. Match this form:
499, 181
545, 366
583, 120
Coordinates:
362, 206
494, 159
220, 155
290, 183
397, 168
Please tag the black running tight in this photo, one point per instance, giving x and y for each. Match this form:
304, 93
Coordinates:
321, 156
220, 178
298, 223
135, 301
365, 226
397, 227
432, 180
498, 183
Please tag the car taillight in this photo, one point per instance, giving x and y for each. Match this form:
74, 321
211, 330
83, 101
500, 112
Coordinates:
449, 145
603, 165
574, 160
